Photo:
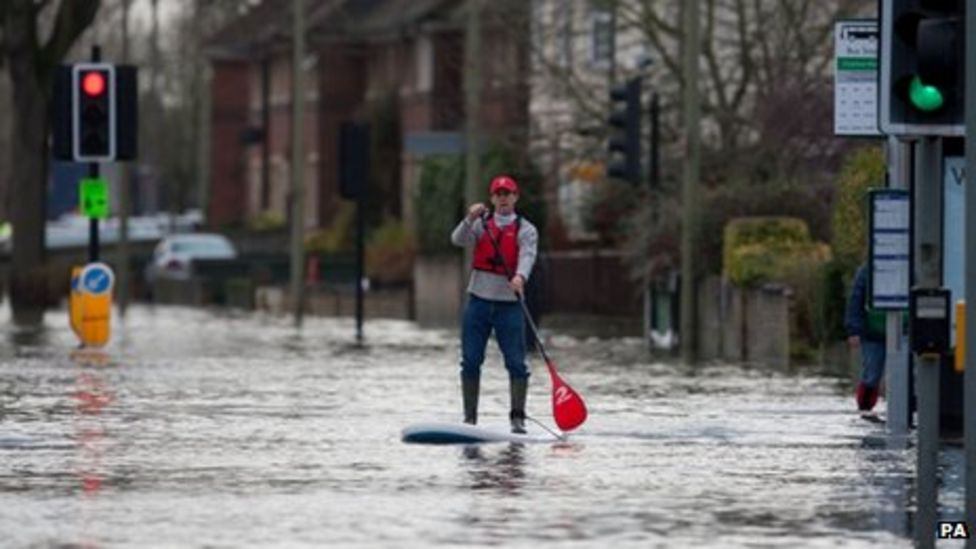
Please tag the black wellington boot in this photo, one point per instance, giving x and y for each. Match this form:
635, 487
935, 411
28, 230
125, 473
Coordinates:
469, 393
518, 389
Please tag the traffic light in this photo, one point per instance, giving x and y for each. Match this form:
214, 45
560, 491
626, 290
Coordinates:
625, 132
93, 112
922, 89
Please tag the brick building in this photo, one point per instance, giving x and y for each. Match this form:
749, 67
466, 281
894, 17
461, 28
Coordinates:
397, 64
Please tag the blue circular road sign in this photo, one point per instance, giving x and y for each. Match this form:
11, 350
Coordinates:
97, 279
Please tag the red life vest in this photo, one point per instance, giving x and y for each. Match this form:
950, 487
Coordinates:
485, 257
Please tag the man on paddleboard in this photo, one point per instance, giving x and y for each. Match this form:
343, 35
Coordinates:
492, 302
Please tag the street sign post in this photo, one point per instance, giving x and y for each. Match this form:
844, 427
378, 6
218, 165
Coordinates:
890, 226
856, 78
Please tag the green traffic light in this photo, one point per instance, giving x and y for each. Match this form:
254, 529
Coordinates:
924, 96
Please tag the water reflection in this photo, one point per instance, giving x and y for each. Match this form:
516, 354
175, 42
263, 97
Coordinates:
489, 469
92, 396
25, 340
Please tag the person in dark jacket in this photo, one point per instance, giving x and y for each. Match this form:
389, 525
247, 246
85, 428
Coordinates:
866, 330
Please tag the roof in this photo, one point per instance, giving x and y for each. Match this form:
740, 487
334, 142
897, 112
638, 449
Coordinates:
384, 17
269, 24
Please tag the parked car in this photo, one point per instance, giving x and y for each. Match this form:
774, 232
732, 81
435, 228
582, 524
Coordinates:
174, 255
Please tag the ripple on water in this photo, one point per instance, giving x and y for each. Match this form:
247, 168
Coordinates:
199, 428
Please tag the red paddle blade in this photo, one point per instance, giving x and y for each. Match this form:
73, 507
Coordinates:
568, 408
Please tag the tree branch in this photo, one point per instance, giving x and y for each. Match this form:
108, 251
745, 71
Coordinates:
72, 19
745, 53
763, 40
657, 31
711, 58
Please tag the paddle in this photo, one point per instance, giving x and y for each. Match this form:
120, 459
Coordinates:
568, 408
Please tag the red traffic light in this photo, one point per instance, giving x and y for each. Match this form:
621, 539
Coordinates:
93, 83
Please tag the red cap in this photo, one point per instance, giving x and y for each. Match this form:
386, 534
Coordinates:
503, 182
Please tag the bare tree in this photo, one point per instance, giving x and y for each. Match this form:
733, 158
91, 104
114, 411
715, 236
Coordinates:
31, 59
177, 104
766, 96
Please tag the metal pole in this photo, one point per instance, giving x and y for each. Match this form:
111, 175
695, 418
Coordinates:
928, 213
266, 129
360, 259
93, 172
297, 161
155, 120
93, 221
655, 159
896, 355
650, 294
122, 264
472, 110
690, 191
969, 388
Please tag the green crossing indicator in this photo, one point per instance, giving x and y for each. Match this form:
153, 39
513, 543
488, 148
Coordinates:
923, 96
94, 197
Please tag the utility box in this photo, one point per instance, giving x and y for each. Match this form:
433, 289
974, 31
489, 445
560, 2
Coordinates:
929, 312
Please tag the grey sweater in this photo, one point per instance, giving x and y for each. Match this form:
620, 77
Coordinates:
490, 285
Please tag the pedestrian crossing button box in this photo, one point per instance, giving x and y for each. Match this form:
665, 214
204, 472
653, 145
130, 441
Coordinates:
929, 312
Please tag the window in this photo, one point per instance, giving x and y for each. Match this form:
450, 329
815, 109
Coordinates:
424, 64
601, 37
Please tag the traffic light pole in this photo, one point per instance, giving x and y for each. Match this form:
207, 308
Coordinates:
93, 172
654, 164
360, 258
928, 258
969, 381
896, 354
690, 188
653, 168
297, 202
93, 221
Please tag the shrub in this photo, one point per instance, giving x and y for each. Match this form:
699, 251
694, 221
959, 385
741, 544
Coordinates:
830, 300
438, 203
865, 169
339, 236
267, 220
390, 253
607, 211
764, 249
761, 249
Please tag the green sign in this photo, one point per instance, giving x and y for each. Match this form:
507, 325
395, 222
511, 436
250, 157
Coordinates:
94, 197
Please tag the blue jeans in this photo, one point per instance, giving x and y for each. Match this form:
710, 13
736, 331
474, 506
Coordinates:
872, 362
480, 317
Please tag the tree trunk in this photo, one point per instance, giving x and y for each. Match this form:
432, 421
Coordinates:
28, 282
31, 68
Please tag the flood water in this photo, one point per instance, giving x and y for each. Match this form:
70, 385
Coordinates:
206, 429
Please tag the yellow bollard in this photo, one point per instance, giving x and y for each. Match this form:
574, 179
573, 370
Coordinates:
960, 363
95, 283
74, 302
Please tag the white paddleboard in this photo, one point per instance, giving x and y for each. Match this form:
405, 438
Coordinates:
462, 433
